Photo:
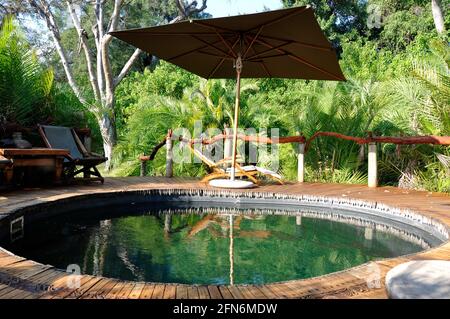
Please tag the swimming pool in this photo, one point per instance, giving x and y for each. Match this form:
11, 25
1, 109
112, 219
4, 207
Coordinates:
199, 238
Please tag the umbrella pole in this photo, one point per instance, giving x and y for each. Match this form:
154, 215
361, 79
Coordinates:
231, 252
236, 114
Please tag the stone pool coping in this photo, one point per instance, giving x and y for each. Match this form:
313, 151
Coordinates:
21, 278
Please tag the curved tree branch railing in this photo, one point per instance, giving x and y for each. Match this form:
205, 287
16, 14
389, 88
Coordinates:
304, 146
212, 140
404, 140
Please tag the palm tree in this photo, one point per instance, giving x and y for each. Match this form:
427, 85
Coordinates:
420, 105
24, 85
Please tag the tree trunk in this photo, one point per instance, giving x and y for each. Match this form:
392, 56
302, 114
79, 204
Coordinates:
108, 132
438, 16
101, 76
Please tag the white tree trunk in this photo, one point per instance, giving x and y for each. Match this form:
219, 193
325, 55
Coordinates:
84, 44
108, 132
438, 16
43, 9
101, 77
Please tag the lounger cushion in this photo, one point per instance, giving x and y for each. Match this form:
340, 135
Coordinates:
252, 168
268, 172
5, 161
61, 137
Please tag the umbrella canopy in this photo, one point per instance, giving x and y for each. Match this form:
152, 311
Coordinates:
276, 44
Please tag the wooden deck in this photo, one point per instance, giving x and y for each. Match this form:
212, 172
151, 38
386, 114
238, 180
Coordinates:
22, 278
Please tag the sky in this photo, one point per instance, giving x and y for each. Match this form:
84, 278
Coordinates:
221, 8
217, 8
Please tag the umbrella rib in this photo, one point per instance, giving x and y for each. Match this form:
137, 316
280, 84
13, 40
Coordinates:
227, 44
212, 27
265, 68
190, 51
253, 41
215, 47
308, 45
303, 61
220, 62
268, 50
260, 62
290, 14
167, 33
268, 57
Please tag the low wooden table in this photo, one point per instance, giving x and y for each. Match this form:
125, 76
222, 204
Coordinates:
33, 157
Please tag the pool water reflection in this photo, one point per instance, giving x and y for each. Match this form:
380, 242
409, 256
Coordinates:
206, 248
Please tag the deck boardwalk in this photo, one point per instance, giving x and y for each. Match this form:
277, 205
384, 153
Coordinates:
147, 291
25, 279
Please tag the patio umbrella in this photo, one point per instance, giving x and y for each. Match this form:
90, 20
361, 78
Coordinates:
284, 43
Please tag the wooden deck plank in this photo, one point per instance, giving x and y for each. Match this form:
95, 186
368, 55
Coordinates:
182, 292
158, 291
97, 290
256, 292
24, 269
44, 283
8, 261
226, 294
15, 294
203, 292
126, 290
193, 292
103, 292
147, 291
62, 290
40, 283
137, 290
115, 290
235, 292
280, 290
6, 291
85, 286
47, 276
170, 292
267, 292
214, 292
246, 292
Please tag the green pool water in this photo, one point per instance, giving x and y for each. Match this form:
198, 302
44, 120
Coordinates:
198, 248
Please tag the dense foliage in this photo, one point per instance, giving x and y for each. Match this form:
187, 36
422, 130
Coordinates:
393, 72
30, 95
398, 84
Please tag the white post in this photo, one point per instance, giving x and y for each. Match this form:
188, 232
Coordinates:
228, 144
169, 154
372, 163
301, 163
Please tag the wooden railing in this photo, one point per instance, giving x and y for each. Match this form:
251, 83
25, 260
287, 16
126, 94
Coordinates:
303, 146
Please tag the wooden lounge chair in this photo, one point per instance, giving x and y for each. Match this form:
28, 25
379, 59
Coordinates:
6, 167
220, 169
5, 162
66, 138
